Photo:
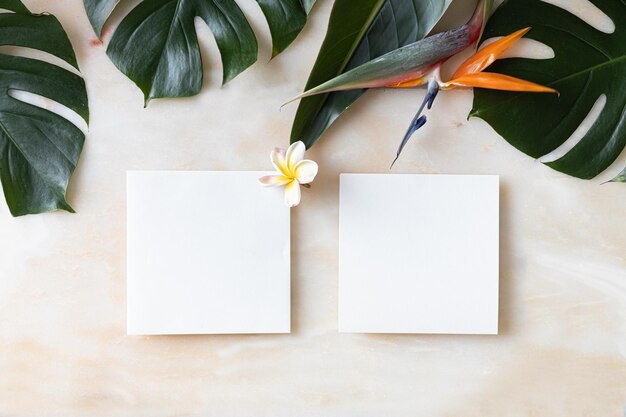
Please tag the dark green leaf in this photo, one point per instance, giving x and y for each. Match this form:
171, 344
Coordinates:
38, 149
43, 32
156, 45
98, 11
286, 18
358, 33
587, 64
14, 5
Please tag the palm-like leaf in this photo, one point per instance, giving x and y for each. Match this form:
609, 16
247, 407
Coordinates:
359, 31
38, 149
156, 45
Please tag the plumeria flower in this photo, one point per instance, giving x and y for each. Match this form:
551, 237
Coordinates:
292, 171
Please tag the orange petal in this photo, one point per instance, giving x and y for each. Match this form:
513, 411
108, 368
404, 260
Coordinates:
408, 83
485, 57
495, 81
415, 78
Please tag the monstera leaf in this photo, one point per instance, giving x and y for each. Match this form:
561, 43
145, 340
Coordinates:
587, 64
156, 45
358, 33
38, 149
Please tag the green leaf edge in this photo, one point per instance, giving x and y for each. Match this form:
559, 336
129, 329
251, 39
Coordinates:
98, 21
294, 136
18, 7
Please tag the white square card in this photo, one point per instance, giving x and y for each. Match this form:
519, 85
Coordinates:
208, 252
418, 254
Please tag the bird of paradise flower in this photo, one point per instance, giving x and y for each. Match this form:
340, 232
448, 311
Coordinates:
419, 64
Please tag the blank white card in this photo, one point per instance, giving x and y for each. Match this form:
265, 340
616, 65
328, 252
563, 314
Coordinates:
418, 254
208, 252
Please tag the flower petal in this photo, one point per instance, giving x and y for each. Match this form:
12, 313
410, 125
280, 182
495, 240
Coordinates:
295, 154
487, 55
305, 171
279, 161
495, 81
409, 83
292, 194
280, 151
274, 180
418, 78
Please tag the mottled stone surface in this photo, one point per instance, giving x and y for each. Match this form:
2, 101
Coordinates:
63, 349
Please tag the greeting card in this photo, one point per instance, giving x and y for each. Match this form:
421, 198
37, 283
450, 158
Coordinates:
418, 254
208, 252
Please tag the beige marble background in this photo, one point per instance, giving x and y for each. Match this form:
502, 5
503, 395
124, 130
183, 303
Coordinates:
63, 349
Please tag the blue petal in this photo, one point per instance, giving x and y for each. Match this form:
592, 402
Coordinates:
419, 120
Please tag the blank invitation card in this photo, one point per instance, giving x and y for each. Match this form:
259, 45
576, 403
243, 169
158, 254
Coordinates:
208, 252
418, 254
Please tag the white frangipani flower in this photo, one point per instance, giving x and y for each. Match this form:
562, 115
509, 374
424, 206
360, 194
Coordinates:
292, 170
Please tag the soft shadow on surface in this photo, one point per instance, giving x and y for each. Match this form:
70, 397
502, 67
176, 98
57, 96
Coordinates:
314, 255
295, 264
507, 288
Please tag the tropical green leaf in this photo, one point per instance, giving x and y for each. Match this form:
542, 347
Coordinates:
286, 18
358, 33
38, 149
98, 11
156, 46
587, 64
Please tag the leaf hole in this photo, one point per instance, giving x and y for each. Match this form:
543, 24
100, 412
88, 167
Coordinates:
588, 12
212, 65
525, 48
32, 53
50, 105
579, 133
260, 26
